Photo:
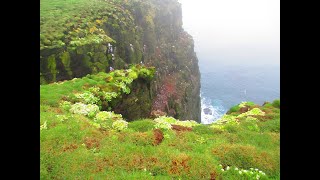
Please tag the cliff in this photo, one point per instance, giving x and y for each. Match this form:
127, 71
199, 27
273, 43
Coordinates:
86, 37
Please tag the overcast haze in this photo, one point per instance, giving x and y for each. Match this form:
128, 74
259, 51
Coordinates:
234, 31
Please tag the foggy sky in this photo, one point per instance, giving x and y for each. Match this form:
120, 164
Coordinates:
234, 31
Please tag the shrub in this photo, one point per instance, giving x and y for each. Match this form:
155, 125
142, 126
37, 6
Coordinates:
226, 119
276, 103
167, 119
123, 87
106, 115
164, 122
252, 112
88, 97
133, 75
104, 119
65, 105
186, 123
89, 110
110, 95
146, 74
234, 109
163, 125
120, 125
267, 104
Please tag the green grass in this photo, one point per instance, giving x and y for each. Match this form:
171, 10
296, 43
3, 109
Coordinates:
63, 22
72, 147
142, 125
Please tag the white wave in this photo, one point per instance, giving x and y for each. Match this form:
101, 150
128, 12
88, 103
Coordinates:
216, 111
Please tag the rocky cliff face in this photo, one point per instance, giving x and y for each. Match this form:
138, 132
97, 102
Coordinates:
101, 34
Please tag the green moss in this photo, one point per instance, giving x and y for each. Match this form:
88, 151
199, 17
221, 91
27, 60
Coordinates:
42, 80
52, 66
65, 59
87, 61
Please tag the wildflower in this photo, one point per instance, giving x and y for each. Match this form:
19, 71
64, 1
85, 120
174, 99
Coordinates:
222, 169
256, 169
258, 177
240, 172
236, 169
220, 165
251, 169
44, 126
145, 169
228, 167
245, 171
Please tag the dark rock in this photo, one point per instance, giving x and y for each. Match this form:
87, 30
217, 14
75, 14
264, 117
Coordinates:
207, 111
244, 109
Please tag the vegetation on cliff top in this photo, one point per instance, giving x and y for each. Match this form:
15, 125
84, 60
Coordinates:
81, 137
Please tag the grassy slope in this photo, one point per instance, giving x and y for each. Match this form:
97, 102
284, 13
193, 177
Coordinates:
71, 23
72, 148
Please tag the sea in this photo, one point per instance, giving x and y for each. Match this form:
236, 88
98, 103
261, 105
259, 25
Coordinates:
238, 49
223, 86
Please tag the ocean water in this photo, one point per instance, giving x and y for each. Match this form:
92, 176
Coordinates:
223, 86
238, 47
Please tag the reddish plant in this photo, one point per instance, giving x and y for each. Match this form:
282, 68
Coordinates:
158, 136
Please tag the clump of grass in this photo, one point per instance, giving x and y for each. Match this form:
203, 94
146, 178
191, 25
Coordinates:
203, 129
276, 103
142, 125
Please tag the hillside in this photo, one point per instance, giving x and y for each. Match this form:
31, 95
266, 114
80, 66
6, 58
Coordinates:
90, 36
81, 137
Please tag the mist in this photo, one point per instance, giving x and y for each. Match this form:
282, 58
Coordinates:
234, 32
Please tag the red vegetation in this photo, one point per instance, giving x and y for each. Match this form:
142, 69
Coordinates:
167, 89
180, 164
213, 176
244, 109
92, 142
180, 128
70, 147
158, 136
